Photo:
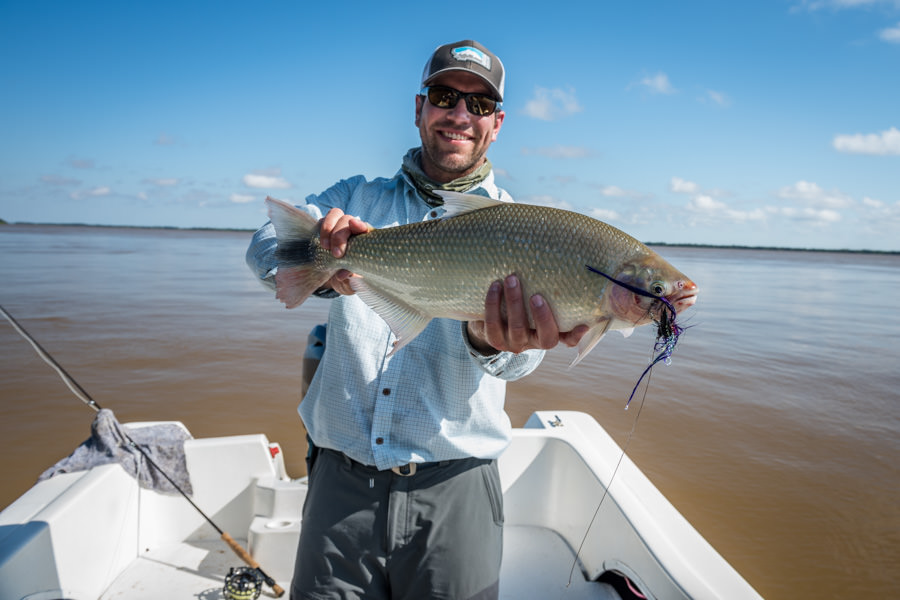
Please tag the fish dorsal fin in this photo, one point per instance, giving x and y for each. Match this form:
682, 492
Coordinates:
458, 204
590, 339
405, 321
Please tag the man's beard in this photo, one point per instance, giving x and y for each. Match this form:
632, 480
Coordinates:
454, 164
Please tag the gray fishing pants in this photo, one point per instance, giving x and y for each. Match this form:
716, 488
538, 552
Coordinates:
379, 535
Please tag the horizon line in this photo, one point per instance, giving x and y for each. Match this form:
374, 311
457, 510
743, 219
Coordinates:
666, 244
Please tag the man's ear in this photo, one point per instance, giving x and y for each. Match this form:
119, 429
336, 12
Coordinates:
498, 122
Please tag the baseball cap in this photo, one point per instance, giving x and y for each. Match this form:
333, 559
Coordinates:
466, 55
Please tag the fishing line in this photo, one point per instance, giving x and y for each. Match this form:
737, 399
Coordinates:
79, 391
82, 395
611, 479
667, 334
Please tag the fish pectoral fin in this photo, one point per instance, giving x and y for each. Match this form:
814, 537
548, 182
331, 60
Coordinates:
459, 204
590, 339
405, 321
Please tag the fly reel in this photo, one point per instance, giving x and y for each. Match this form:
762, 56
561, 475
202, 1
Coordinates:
243, 583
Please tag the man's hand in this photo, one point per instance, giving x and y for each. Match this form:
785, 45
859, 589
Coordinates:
514, 334
335, 229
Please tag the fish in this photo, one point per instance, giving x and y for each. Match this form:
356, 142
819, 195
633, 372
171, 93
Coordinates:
442, 268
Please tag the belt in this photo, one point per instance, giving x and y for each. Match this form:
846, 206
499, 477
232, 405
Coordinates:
407, 470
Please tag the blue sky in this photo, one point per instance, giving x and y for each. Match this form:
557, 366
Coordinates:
773, 122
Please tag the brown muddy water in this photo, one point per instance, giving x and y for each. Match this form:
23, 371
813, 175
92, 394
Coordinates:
775, 430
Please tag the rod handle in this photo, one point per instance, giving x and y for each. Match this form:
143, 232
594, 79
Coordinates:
245, 556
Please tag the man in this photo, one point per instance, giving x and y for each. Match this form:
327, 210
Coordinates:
404, 495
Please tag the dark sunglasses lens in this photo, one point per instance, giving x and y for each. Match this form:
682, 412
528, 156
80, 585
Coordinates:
480, 105
443, 97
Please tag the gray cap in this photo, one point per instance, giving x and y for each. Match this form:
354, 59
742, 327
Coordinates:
467, 55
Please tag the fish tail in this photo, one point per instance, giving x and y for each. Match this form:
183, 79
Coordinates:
298, 274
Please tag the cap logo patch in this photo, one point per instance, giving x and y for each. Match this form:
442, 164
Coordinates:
468, 53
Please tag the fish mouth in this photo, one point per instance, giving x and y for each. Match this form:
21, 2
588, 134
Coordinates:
685, 297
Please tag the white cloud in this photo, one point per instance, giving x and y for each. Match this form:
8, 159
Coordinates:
242, 198
707, 209
884, 143
164, 140
605, 214
815, 216
890, 34
552, 104
614, 191
813, 195
717, 98
558, 151
165, 182
682, 186
813, 5
703, 203
267, 180
813, 204
93, 192
658, 84
872, 202
545, 200
81, 163
59, 180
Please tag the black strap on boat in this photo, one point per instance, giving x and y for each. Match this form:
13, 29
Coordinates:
86, 398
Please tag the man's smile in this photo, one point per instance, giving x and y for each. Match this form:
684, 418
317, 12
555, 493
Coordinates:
452, 135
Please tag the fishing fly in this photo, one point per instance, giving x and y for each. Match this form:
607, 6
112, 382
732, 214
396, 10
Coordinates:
668, 331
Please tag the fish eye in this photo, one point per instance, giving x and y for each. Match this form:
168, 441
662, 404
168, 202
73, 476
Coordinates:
658, 287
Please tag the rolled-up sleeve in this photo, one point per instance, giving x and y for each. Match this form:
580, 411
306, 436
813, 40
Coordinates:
260, 255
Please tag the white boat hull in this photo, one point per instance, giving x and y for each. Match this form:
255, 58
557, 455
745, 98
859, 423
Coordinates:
97, 534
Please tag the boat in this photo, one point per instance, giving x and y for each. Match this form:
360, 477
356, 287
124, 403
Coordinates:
98, 534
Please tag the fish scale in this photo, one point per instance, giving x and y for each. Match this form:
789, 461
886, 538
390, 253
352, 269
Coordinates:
536, 249
442, 268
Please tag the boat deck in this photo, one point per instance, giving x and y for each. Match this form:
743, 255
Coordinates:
197, 570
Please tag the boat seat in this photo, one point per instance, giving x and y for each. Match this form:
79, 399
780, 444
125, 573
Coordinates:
537, 563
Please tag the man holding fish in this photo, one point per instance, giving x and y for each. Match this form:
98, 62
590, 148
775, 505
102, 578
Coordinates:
405, 413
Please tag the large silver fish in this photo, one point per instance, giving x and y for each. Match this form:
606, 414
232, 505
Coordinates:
413, 273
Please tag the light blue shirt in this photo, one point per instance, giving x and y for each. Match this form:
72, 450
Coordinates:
436, 398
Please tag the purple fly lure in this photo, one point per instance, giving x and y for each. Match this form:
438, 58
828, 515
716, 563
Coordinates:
667, 333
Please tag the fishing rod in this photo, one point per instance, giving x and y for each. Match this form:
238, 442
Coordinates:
83, 395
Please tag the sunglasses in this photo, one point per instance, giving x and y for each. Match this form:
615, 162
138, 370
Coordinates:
442, 96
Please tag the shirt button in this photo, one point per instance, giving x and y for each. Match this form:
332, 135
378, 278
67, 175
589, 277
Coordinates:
379, 441
386, 391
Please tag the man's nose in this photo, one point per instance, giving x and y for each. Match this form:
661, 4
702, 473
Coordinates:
460, 112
